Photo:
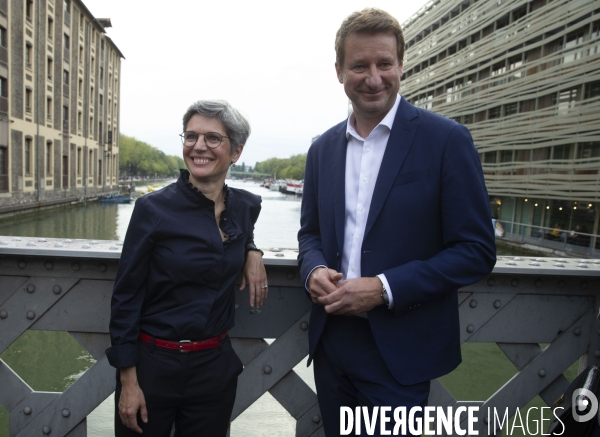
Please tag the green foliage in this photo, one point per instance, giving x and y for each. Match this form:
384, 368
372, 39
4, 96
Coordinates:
290, 168
137, 158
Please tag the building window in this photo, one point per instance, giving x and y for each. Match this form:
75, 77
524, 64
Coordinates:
80, 55
49, 109
498, 70
562, 152
81, 22
91, 164
49, 158
50, 28
514, 65
91, 95
490, 157
494, 113
592, 90
28, 100
566, 100
80, 88
50, 68
510, 109
573, 47
28, 55
588, 150
28, 150
65, 118
3, 168
67, 41
101, 75
595, 40
79, 161
3, 41
29, 10
65, 77
93, 64
3, 87
79, 119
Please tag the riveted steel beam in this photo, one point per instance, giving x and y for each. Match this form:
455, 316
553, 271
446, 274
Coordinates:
66, 411
521, 355
546, 317
28, 409
95, 344
86, 308
539, 373
294, 395
283, 305
12, 388
8, 286
264, 371
439, 395
24, 307
478, 310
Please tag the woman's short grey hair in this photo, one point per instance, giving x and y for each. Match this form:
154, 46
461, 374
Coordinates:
237, 127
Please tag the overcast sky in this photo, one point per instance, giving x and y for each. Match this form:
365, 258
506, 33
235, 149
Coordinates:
273, 60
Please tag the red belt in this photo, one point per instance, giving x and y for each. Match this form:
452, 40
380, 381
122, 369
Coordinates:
184, 345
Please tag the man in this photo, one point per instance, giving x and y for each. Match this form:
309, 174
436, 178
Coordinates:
395, 219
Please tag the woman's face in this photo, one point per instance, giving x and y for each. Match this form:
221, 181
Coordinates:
208, 165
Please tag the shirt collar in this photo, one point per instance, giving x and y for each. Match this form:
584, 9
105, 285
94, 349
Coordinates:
387, 121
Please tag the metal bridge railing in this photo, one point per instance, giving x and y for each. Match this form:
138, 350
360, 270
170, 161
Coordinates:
66, 285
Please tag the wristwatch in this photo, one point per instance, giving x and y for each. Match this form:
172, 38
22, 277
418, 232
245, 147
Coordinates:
384, 295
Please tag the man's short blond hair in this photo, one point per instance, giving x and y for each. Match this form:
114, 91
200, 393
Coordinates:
369, 21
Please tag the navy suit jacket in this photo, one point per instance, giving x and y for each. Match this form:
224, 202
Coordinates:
429, 230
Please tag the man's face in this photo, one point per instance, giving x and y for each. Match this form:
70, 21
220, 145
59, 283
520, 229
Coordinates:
371, 74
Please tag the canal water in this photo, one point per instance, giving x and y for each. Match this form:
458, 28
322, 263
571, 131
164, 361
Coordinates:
51, 361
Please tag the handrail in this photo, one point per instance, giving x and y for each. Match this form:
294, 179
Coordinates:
569, 242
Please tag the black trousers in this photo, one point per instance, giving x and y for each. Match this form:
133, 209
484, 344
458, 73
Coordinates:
193, 390
350, 372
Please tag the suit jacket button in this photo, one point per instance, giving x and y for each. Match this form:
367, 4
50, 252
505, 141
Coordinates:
337, 255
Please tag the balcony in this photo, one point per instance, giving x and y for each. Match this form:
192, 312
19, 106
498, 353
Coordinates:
57, 285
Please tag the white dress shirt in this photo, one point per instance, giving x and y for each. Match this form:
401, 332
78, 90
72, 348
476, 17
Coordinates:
363, 161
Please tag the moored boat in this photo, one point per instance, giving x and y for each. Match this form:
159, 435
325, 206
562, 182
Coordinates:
295, 187
116, 199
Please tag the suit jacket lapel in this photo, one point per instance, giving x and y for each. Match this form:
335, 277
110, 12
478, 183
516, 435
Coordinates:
401, 139
339, 145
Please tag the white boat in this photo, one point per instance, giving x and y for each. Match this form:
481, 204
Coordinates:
295, 187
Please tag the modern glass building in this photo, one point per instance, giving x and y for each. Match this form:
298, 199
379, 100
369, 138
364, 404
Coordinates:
524, 77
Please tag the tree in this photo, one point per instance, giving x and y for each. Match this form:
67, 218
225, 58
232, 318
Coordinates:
291, 168
137, 158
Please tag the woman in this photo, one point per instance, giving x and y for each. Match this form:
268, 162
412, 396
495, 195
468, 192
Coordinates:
173, 299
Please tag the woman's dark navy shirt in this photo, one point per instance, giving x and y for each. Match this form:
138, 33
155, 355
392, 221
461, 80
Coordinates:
176, 275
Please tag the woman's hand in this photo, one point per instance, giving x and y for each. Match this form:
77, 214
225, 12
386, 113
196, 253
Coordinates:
255, 276
131, 400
